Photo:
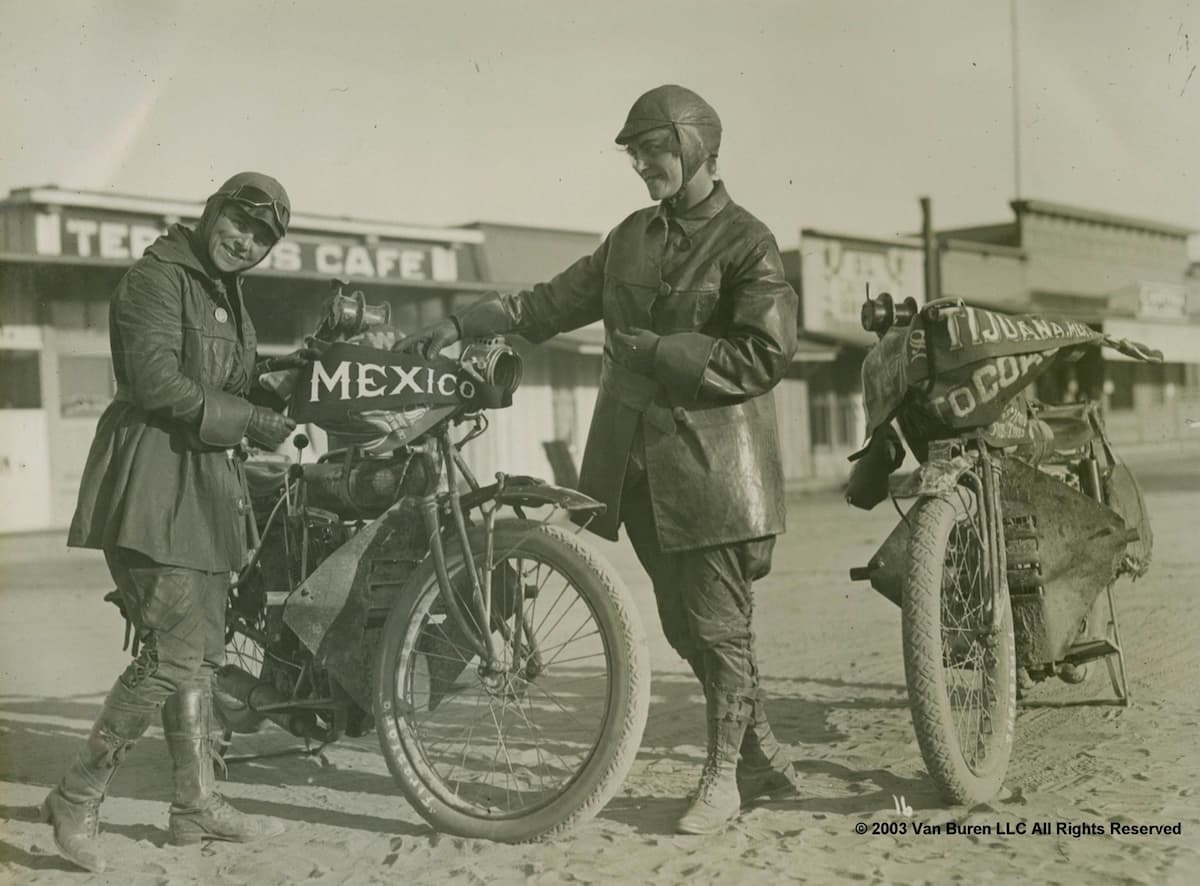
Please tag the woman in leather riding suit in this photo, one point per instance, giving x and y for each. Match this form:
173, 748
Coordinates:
163, 496
683, 449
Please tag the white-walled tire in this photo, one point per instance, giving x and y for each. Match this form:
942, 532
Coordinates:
961, 675
538, 746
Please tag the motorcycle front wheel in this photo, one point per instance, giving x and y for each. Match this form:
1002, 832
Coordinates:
540, 741
960, 671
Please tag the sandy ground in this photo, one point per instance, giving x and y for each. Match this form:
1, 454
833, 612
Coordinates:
830, 652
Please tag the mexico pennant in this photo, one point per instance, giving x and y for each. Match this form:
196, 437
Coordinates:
351, 379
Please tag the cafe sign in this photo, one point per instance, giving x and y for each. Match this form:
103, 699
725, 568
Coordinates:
118, 238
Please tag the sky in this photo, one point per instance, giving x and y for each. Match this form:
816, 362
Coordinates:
837, 115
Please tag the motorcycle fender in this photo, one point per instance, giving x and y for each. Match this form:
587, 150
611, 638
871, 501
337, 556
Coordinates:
530, 492
329, 611
936, 478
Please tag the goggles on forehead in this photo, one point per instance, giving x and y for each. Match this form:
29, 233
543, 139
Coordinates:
256, 198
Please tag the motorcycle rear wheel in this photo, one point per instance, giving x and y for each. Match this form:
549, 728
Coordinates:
961, 674
538, 747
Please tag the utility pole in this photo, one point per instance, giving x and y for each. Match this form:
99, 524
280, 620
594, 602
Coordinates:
933, 254
1016, 102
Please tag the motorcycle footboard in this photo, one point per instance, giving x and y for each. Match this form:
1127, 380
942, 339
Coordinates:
885, 569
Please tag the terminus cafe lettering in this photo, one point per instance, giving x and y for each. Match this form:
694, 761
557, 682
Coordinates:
123, 240
1074, 829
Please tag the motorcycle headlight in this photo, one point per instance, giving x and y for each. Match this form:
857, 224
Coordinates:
492, 362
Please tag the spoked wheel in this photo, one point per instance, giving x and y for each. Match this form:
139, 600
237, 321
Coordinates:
960, 670
542, 739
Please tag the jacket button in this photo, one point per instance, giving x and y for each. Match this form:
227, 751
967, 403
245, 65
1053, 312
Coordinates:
680, 415
664, 288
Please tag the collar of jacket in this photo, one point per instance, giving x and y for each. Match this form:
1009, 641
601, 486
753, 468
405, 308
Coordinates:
180, 246
693, 219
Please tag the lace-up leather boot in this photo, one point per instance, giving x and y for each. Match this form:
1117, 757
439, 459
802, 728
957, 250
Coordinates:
764, 768
717, 801
73, 808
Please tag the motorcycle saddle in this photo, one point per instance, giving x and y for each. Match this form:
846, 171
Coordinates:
1069, 424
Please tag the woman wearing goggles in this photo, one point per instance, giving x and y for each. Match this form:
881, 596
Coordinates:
167, 505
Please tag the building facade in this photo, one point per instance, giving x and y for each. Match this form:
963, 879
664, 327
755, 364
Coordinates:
62, 253
1129, 277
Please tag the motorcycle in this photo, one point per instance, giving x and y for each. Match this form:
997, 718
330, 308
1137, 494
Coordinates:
499, 658
1024, 519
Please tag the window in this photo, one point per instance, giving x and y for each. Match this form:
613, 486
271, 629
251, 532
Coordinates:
20, 380
1160, 382
820, 417
86, 385
849, 424
1119, 385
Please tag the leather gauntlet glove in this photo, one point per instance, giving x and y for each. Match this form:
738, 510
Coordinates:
483, 318
429, 341
268, 428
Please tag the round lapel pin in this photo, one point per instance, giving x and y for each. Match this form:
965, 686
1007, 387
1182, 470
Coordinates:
221, 314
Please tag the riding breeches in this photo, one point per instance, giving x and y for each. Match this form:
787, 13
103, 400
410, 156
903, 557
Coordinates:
179, 616
704, 597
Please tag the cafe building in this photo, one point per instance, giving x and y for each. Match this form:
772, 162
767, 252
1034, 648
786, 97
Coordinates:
62, 252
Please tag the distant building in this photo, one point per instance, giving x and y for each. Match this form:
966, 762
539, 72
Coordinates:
1126, 276
62, 253
1129, 277
832, 273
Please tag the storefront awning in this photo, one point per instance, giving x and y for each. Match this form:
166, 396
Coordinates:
1179, 342
354, 279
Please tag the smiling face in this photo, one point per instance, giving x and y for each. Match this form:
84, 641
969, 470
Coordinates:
655, 157
237, 241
